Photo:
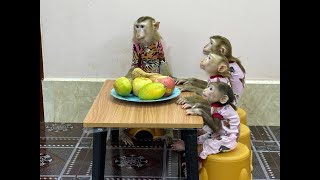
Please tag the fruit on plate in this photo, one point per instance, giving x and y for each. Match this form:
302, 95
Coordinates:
168, 83
152, 91
122, 86
137, 72
138, 83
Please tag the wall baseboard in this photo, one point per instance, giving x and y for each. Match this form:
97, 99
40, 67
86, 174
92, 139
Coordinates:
67, 100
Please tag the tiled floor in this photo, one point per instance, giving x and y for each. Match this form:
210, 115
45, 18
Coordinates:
67, 155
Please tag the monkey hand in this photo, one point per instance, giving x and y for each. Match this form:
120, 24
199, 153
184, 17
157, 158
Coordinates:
193, 111
181, 101
180, 81
197, 105
166, 138
126, 138
186, 106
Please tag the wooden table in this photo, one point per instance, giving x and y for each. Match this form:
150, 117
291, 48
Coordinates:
107, 111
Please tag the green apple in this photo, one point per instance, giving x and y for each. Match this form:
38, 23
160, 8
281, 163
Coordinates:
138, 83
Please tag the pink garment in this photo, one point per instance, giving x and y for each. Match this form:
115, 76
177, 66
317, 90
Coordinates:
237, 79
224, 140
217, 78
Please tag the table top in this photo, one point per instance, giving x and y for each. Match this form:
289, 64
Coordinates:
107, 111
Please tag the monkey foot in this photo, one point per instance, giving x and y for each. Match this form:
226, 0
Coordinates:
178, 146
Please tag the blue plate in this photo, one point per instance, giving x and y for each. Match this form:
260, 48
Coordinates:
134, 98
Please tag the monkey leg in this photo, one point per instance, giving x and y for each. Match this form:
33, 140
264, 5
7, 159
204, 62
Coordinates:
178, 146
167, 137
125, 137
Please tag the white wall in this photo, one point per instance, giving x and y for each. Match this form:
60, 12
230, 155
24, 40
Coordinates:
92, 38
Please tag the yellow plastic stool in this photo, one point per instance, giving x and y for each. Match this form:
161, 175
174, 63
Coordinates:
155, 132
243, 115
233, 165
244, 138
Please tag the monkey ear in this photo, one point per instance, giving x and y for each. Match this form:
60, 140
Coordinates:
156, 25
224, 99
223, 50
222, 68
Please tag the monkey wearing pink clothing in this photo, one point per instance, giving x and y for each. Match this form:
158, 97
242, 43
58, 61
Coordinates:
221, 130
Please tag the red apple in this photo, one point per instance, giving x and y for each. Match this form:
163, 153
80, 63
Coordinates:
169, 84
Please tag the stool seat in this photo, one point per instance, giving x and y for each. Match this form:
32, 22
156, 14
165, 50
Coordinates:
244, 138
233, 165
243, 115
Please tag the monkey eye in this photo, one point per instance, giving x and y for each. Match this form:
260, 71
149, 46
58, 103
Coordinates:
211, 89
137, 26
142, 26
211, 43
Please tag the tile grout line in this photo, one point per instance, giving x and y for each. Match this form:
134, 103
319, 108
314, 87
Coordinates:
273, 136
70, 157
164, 166
260, 162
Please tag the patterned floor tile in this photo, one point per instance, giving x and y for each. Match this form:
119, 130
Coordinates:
260, 133
276, 131
59, 158
61, 130
271, 161
59, 142
146, 160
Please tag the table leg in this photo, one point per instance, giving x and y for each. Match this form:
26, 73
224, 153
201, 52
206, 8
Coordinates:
99, 155
191, 149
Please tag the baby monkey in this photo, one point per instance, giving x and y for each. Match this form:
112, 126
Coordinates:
217, 68
221, 46
220, 132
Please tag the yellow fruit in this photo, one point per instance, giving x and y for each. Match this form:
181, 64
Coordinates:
138, 83
152, 91
123, 86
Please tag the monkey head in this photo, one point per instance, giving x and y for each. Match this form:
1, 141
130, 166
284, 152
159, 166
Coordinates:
215, 64
145, 30
218, 45
218, 92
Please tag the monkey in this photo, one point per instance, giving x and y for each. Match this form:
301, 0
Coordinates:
148, 55
220, 132
147, 48
222, 46
217, 68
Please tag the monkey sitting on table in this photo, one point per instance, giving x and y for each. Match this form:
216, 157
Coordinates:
148, 55
221, 46
221, 130
217, 68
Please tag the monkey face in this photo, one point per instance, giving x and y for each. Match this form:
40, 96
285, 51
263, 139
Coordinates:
144, 31
211, 94
211, 47
209, 64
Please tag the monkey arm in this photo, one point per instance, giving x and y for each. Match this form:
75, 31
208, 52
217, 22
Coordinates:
192, 100
191, 88
164, 69
198, 83
128, 75
213, 123
205, 106
193, 82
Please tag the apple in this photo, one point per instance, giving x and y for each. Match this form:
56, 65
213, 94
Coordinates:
138, 83
168, 83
